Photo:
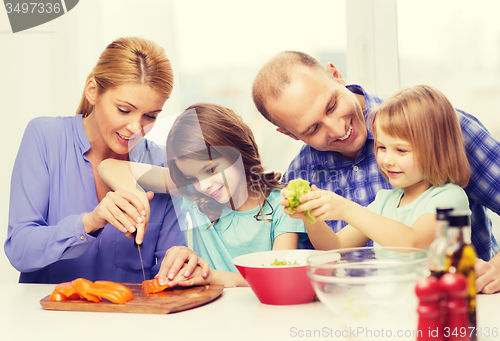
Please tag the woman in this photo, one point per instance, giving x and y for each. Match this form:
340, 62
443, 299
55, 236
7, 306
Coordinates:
59, 207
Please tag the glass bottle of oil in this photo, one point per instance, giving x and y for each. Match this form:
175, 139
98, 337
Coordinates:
437, 250
461, 256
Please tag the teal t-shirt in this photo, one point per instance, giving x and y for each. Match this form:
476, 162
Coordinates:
387, 201
239, 232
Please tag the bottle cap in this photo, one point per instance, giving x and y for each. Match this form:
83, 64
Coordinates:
443, 212
458, 219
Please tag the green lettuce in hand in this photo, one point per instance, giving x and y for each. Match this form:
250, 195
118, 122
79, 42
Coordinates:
294, 190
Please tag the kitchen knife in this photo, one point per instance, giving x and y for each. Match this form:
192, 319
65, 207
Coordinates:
139, 247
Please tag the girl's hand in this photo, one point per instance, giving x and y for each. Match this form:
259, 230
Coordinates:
284, 202
324, 205
122, 209
180, 260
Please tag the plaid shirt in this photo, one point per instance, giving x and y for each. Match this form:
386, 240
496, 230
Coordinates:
360, 180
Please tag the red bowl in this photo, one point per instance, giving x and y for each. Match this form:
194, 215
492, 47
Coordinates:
278, 284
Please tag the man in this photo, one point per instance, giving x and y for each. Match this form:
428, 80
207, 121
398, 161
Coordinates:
310, 103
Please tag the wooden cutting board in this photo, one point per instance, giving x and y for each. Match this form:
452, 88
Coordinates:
168, 301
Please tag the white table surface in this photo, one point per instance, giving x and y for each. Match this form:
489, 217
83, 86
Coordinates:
236, 315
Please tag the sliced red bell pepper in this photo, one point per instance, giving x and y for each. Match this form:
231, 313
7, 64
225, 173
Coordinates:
152, 286
68, 290
111, 291
56, 296
81, 286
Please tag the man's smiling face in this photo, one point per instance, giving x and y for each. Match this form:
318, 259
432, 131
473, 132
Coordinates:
320, 111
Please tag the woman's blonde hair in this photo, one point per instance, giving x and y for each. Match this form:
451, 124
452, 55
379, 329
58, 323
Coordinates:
223, 134
130, 60
425, 118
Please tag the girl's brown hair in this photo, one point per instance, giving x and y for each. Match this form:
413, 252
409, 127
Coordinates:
130, 60
223, 134
425, 118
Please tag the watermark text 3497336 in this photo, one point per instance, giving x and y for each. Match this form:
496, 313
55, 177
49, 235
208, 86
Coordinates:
25, 14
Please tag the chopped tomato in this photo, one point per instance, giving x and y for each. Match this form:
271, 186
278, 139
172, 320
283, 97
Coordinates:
152, 286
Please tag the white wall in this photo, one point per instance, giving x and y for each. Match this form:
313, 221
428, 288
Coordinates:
43, 70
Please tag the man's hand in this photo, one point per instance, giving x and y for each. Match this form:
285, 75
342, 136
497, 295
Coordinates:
487, 277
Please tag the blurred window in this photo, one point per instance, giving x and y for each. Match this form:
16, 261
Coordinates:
455, 47
221, 45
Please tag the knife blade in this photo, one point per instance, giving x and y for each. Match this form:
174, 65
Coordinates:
139, 248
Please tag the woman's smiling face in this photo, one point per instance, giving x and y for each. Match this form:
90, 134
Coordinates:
123, 115
218, 179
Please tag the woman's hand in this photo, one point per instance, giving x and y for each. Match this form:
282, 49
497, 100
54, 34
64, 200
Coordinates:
226, 278
122, 209
196, 277
179, 264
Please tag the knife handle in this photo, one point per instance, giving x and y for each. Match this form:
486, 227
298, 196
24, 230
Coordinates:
137, 246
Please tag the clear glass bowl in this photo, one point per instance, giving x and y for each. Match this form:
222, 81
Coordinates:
368, 282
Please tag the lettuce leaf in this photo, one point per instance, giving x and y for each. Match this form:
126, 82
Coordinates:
294, 190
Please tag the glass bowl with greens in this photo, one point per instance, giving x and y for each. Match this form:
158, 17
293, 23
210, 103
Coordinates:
368, 284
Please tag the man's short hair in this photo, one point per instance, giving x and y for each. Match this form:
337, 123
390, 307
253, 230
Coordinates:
275, 75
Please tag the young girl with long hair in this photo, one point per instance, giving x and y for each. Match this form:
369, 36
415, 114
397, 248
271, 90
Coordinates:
419, 149
215, 166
